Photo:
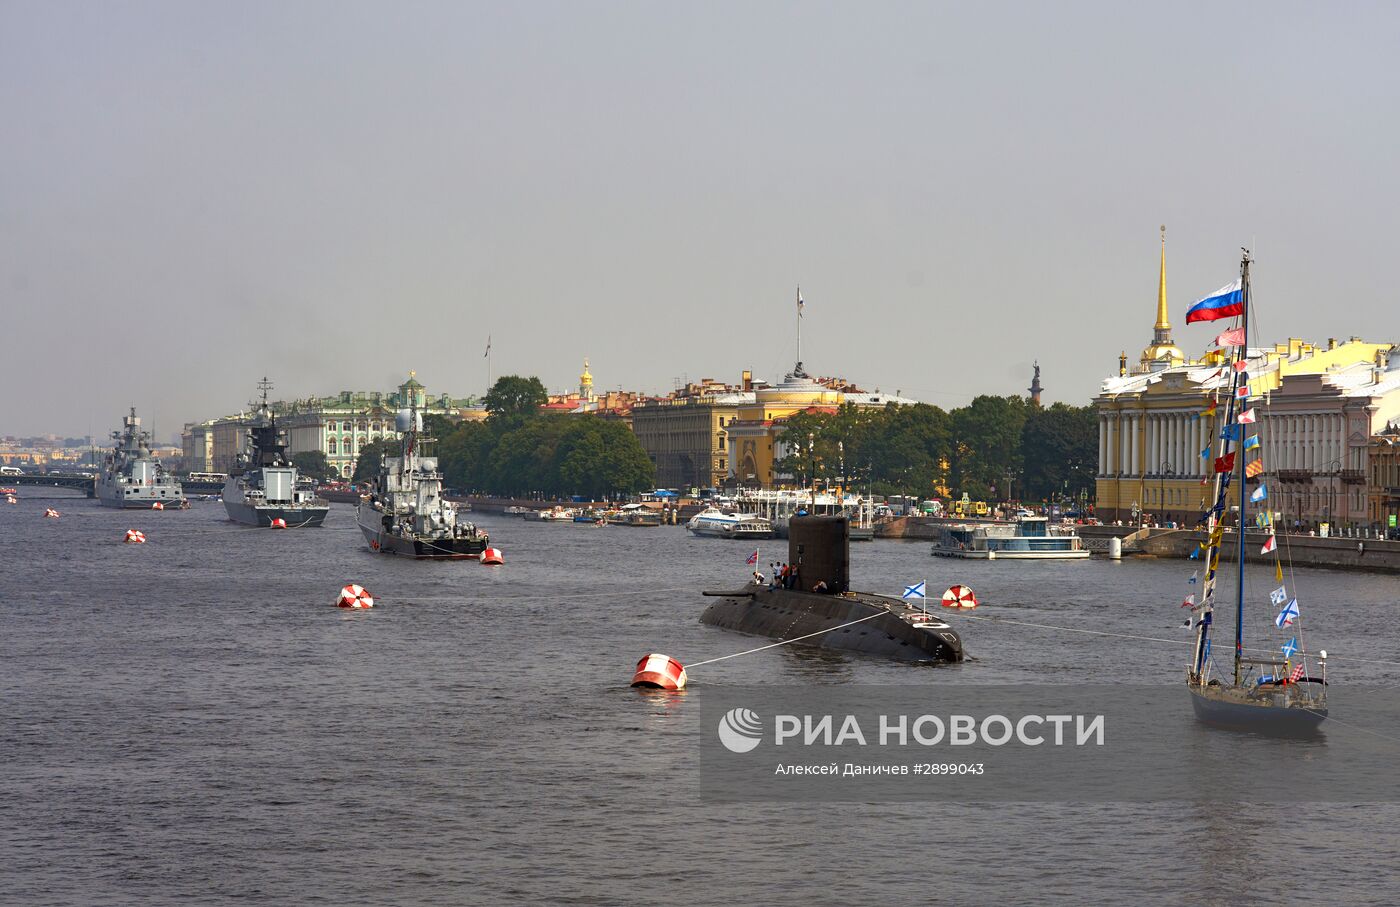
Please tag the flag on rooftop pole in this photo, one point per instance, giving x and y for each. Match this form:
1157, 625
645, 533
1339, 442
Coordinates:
1225, 302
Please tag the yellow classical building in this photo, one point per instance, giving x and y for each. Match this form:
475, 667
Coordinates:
754, 445
1318, 408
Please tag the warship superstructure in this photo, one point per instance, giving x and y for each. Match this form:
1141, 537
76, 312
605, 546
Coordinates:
265, 486
131, 477
817, 603
405, 513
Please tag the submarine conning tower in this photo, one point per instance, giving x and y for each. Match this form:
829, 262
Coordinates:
819, 547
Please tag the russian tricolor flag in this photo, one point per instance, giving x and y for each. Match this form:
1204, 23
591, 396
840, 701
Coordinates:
1226, 302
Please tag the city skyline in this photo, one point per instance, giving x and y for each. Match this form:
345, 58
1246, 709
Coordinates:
196, 196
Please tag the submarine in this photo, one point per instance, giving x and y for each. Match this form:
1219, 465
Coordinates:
820, 602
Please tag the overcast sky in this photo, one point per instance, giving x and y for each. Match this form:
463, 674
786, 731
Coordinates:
195, 194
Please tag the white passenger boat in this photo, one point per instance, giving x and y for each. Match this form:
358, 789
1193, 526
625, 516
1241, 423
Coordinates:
780, 505
554, 515
1030, 538
718, 523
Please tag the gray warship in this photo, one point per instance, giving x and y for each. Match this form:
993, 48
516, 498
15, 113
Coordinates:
130, 477
264, 486
821, 605
405, 513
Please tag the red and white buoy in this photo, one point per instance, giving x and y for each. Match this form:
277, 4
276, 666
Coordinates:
157, 505
355, 596
492, 556
50, 512
135, 537
278, 523
660, 672
959, 596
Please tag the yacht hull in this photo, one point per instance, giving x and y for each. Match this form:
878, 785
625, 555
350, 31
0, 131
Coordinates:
1275, 713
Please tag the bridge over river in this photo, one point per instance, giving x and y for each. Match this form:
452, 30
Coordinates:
79, 482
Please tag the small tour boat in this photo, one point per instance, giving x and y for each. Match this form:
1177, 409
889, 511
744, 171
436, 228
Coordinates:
719, 524
1031, 538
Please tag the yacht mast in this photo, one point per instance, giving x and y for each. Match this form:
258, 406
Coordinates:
1240, 378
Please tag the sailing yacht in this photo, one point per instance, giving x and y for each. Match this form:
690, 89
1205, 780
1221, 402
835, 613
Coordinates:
1276, 694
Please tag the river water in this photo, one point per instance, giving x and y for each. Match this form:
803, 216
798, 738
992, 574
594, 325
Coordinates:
192, 721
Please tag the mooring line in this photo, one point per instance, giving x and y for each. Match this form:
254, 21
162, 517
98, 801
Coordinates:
785, 641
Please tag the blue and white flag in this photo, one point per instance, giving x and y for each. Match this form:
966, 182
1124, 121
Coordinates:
800, 303
1287, 615
1259, 494
914, 591
1194, 574
1290, 647
1279, 595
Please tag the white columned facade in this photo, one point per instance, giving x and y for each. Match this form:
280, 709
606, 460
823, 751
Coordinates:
1103, 443
1136, 445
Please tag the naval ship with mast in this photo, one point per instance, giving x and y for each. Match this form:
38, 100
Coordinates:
406, 512
265, 487
131, 477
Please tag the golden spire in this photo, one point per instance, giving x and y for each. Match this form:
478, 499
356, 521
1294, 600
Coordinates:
1161, 350
1162, 323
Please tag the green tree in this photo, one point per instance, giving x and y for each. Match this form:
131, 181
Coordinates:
521, 462
367, 464
313, 465
462, 455
514, 397
1060, 445
601, 458
987, 445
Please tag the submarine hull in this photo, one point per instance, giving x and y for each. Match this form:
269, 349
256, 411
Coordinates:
887, 627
